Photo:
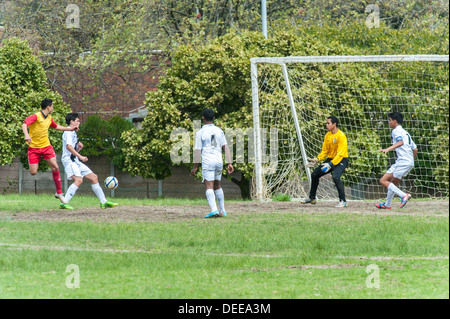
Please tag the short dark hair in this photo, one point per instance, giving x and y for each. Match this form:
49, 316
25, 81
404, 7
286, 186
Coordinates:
71, 117
396, 116
45, 103
208, 114
333, 119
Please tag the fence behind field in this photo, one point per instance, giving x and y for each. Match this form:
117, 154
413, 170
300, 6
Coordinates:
16, 180
179, 185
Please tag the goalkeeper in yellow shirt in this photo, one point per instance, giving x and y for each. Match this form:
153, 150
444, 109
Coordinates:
334, 149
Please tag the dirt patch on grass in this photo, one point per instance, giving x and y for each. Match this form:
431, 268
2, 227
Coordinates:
157, 213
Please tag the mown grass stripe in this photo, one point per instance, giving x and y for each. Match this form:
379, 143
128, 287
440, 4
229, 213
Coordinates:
156, 251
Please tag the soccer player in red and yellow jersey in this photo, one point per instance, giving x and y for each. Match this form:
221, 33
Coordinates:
39, 143
334, 148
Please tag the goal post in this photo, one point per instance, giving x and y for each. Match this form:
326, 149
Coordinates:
295, 95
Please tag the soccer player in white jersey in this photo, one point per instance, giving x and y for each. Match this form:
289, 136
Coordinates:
209, 143
75, 169
406, 151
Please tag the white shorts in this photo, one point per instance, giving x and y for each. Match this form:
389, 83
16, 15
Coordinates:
212, 172
399, 170
76, 169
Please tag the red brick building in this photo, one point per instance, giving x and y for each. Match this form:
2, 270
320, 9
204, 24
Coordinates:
113, 93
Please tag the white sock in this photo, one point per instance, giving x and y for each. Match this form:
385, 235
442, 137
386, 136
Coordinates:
395, 189
220, 199
70, 192
99, 192
390, 196
211, 199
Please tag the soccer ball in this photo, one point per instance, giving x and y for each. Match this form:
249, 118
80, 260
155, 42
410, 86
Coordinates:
111, 182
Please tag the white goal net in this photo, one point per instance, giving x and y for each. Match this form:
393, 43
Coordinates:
293, 96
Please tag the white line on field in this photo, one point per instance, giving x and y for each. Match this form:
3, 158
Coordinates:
158, 251
393, 258
33, 247
152, 251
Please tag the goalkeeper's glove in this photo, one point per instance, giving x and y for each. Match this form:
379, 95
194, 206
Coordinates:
326, 167
312, 162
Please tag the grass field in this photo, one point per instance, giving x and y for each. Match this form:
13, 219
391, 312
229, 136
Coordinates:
165, 249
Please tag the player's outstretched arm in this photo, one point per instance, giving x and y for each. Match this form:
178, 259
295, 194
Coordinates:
392, 147
64, 128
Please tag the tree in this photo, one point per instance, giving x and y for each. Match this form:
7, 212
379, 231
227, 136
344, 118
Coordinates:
103, 137
216, 76
22, 88
122, 41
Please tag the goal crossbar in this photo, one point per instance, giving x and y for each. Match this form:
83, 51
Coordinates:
351, 58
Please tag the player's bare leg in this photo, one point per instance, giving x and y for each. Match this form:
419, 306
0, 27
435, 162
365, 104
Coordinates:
34, 169
77, 180
387, 179
92, 178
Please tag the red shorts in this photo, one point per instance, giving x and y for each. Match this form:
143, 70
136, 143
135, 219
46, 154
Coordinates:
34, 154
